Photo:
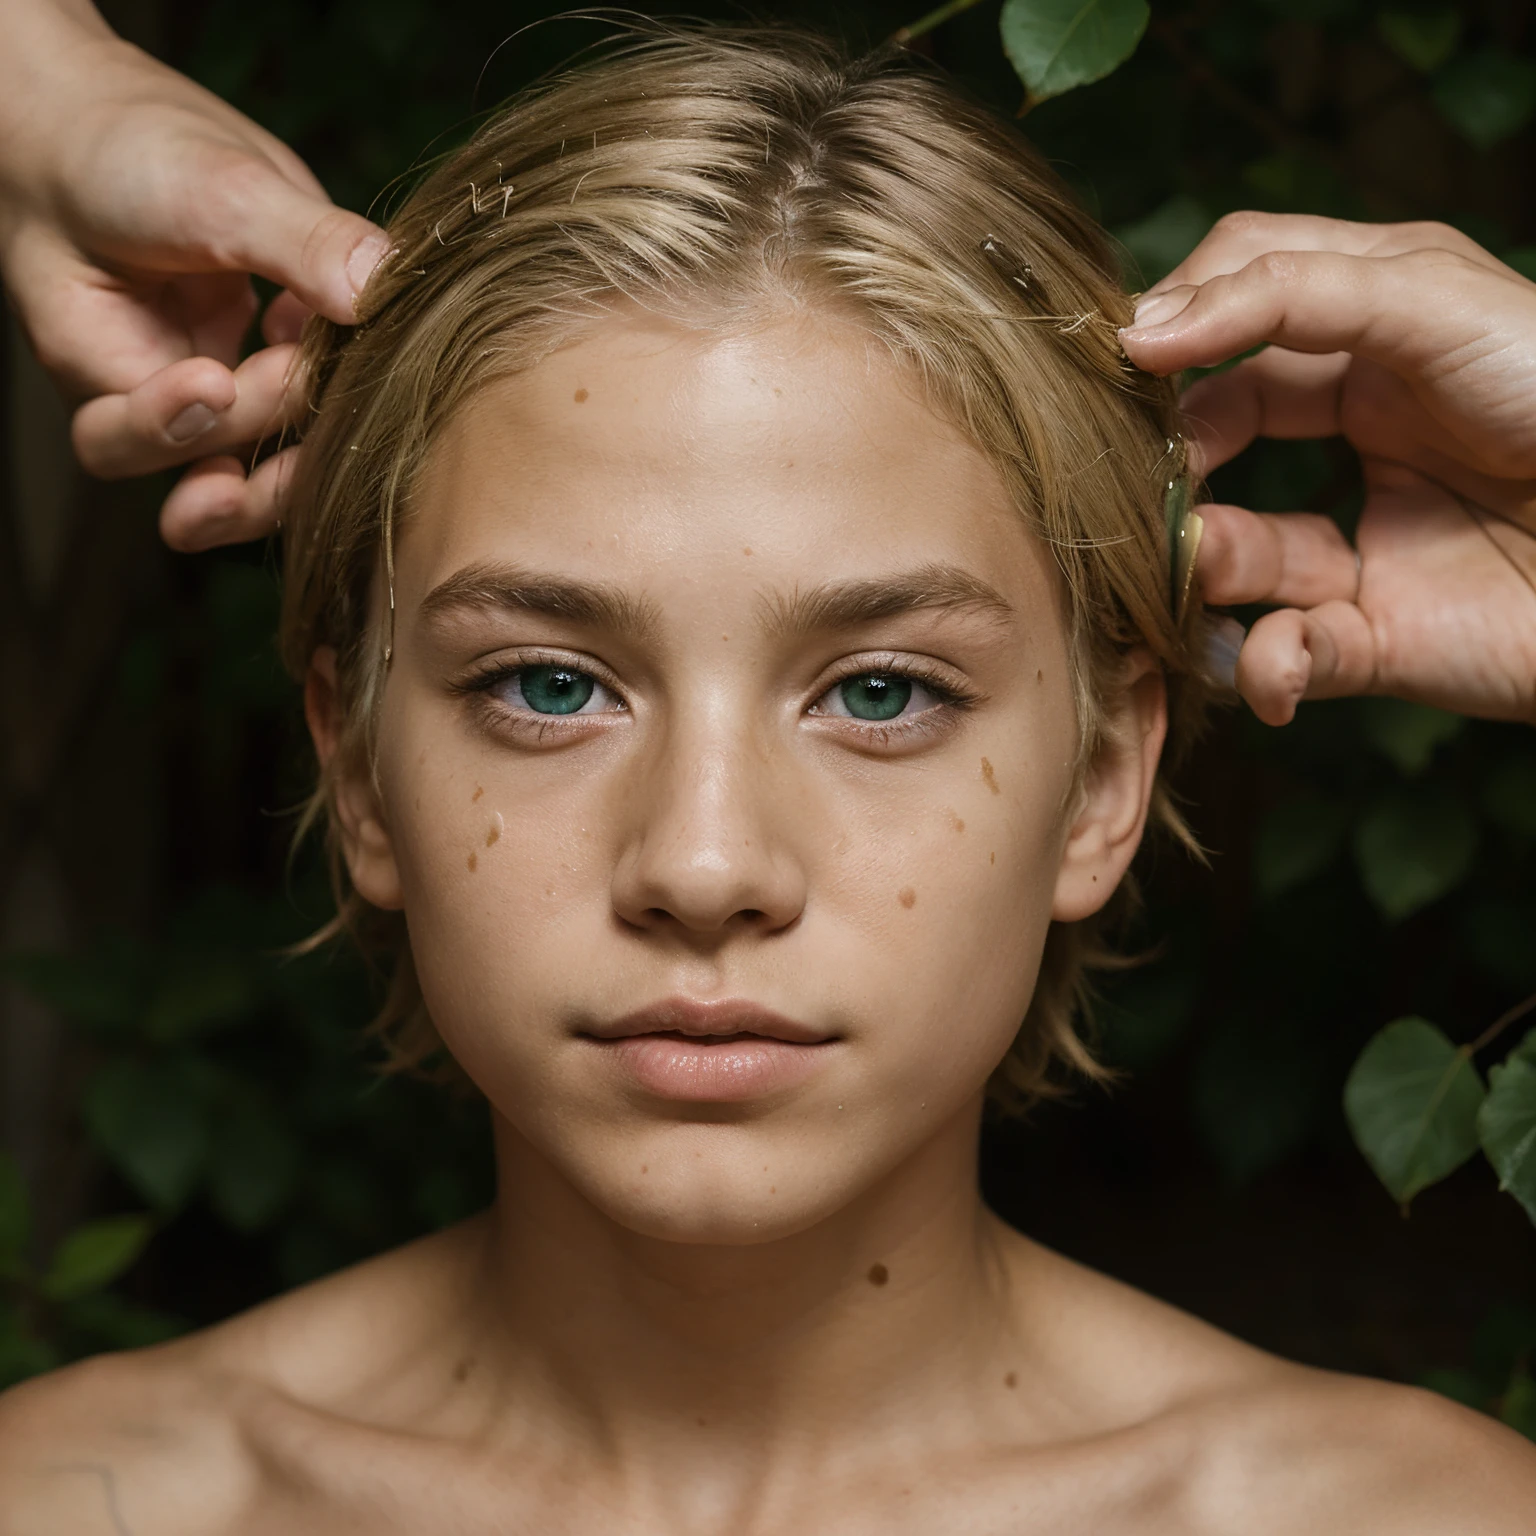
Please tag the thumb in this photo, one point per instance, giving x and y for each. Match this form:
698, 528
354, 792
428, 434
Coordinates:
303, 241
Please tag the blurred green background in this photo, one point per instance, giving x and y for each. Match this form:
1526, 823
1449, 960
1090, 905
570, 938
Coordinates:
192, 1122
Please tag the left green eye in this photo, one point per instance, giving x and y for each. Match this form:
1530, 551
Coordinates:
875, 695
554, 690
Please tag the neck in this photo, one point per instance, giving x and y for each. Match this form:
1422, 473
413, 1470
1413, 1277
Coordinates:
898, 1300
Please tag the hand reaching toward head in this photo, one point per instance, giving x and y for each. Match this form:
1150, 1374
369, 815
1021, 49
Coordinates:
1419, 348
133, 207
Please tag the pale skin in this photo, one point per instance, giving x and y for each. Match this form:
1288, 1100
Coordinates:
785, 1310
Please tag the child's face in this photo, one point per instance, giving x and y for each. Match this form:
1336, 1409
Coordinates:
792, 738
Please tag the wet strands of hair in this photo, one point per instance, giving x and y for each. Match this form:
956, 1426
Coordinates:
989, 776
878, 1274
907, 897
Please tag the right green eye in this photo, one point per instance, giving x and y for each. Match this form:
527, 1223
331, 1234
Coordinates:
555, 690
875, 695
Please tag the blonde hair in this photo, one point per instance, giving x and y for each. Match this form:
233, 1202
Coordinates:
714, 174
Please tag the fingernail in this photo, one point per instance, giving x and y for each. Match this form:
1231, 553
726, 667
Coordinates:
1159, 308
366, 255
189, 422
1223, 640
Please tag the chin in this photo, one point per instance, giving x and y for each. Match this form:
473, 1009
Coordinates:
697, 1191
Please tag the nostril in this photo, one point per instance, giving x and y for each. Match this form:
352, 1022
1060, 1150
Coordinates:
751, 914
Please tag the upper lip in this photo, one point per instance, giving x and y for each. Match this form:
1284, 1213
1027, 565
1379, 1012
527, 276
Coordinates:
724, 1016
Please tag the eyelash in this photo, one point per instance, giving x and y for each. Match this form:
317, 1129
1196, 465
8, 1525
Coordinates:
952, 700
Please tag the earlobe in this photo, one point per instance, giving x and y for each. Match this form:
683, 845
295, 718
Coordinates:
365, 840
1112, 810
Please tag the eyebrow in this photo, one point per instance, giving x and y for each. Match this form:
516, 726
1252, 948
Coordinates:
848, 604
492, 585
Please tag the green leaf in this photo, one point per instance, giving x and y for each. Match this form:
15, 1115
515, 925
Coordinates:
1412, 1100
1413, 847
1506, 1124
1424, 39
1407, 734
1509, 796
15, 1217
153, 1123
1159, 242
94, 1256
1057, 45
254, 1167
1488, 96
1297, 839
198, 995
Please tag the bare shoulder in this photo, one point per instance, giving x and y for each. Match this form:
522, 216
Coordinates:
132, 1442
1218, 1436
178, 1438
1312, 1451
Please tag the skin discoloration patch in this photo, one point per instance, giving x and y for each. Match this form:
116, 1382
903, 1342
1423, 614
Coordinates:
878, 1274
907, 897
1011, 1380
479, 790
493, 832
958, 822
580, 397
989, 777
472, 863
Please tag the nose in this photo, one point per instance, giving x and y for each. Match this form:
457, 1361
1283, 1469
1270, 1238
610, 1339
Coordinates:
706, 856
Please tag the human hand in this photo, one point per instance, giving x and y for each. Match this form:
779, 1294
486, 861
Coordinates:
1419, 348
133, 207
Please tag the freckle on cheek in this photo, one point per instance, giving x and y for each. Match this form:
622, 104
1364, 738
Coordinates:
479, 790
580, 397
989, 777
493, 832
1039, 677
959, 822
472, 861
907, 896
991, 858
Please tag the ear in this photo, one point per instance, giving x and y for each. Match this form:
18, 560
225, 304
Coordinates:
1112, 808
365, 840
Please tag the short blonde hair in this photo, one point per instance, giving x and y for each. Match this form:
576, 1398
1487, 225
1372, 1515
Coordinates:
714, 174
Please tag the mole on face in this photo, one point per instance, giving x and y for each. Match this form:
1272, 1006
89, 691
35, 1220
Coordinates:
472, 862
492, 833
479, 790
878, 1274
1040, 676
580, 397
462, 1369
907, 897
989, 777
1011, 1380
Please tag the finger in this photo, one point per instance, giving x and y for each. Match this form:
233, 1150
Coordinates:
216, 502
284, 319
1239, 238
191, 409
1298, 559
255, 220
1279, 393
1327, 652
1405, 312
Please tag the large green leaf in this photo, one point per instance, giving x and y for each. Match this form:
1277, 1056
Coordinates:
94, 1256
1406, 733
1056, 45
153, 1122
1488, 96
1424, 39
1412, 1100
1296, 840
1413, 847
1506, 1124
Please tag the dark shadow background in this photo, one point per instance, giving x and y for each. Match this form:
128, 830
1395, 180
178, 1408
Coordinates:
156, 1055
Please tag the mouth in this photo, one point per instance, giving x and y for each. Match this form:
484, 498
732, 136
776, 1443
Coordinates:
727, 1051
718, 1022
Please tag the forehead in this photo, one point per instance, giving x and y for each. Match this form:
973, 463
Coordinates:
654, 451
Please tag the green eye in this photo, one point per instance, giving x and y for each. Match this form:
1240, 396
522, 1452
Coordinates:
554, 690
876, 695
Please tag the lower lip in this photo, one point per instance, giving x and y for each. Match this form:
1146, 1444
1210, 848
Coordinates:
722, 1072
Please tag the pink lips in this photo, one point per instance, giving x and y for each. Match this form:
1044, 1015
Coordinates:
717, 1052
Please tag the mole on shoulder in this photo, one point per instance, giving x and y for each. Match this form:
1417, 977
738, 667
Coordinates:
878, 1274
907, 897
581, 397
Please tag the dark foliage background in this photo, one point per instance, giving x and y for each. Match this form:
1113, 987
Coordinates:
211, 1113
